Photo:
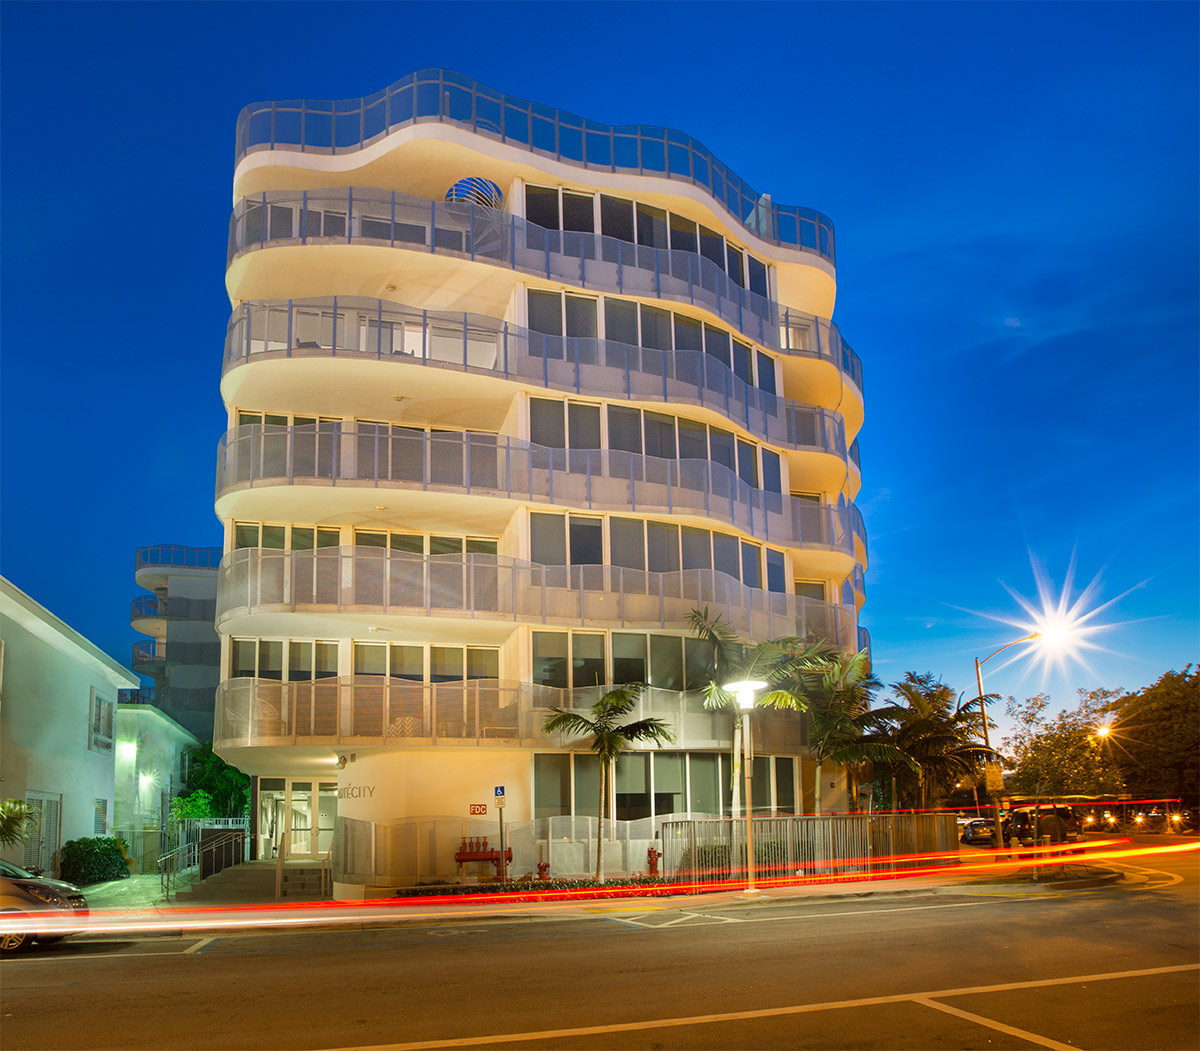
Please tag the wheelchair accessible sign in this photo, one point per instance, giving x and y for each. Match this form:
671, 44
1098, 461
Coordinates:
500, 796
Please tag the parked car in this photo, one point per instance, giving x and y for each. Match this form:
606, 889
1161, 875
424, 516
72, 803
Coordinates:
979, 832
1030, 824
54, 902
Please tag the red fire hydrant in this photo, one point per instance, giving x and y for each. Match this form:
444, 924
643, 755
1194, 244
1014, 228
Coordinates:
543, 870
652, 856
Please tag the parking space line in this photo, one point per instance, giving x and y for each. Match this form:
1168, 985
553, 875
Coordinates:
198, 946
776, 1012
1011, 1030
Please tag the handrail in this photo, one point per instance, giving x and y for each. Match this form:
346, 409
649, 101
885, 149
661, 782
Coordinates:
177, 555
443, 96
363, 215
173, 864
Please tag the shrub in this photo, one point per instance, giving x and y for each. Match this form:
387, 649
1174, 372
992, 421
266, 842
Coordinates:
197, 804
88, 860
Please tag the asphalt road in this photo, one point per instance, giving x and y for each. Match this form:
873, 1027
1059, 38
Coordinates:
1107, 968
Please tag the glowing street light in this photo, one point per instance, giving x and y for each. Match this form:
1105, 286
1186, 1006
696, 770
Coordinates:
744, 691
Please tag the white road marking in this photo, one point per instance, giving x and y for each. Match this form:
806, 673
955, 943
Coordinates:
774, 1012
1172, 878
198, 946
1024, 1034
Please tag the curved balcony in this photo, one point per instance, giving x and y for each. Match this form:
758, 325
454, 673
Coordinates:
356, 327
176, 556
858, 529
152, 607
147, 607
372, 710
358, 215
488, 465
442, 96
148, 656
152, 656
864, 641
379, 582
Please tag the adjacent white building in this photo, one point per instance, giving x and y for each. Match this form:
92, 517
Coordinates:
510, 393
58, 705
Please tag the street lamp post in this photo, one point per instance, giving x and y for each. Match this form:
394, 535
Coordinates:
744, 691
997, 831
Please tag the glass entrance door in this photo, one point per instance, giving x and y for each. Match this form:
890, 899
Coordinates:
298, 813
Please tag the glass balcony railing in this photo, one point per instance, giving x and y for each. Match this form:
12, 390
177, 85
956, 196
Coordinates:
375, 710
147, 606
355, 327
442, 96
857, 526
864, 641
149, 652
139, 696
482, 464
378, 582
172, 608
467, 231
854, 455
173, 555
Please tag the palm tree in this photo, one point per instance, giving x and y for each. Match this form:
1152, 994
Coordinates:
14, 822
782, 663
930, 725
842, 726
609, 738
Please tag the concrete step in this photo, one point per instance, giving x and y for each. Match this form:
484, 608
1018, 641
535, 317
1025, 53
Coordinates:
253, 882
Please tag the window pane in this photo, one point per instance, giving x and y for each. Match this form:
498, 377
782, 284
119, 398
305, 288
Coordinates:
660, 435
699, 663
587, 784
303, 538
750, 555
775, 579
620, 321
716, 343
668, 783
689, 333
550, 660
546, 423
482, 663
541, 206
733, 257
747, 463
476, 546
693, 441
578, 212
587, 660
772, 480
629, 657
811, 589
760, 784
721, 447
370, 659
300, 661
270, 660
362, 538
325, 664
712, 246
632, 784
551, 785
656, 328
683, 234
757, 275
697, 548
616, 218
273, 537
548, 539
666, 662
242, 665
624, 429
408, 662
766, 373
785, 784
245, 534
742, 363
726, 557
662, 547
442, 545
627, 543
651, 226
705, 784
587, 541
585, 425
545, 312
581, 317
445, 663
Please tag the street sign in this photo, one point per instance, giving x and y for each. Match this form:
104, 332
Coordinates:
995, 777
478, 808
500, 796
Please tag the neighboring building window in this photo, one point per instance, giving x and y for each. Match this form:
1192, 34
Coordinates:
100, 738
100, 821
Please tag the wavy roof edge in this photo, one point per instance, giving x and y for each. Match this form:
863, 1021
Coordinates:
789, 226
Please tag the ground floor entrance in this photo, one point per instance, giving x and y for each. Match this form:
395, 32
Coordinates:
297, 814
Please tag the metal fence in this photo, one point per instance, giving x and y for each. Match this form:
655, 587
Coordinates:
820, 848
492, 587
443, 96
356, 326
485, 464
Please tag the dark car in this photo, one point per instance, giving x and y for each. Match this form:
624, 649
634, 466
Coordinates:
1047, 821
978, 833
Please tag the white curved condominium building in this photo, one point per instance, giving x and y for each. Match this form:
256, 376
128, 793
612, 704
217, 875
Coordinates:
511, 393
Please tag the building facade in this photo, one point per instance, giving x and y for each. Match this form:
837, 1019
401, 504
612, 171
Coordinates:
182, 655
58, 704
510, 394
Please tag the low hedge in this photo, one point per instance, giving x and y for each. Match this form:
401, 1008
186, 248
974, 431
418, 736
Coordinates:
93, 860
540, 888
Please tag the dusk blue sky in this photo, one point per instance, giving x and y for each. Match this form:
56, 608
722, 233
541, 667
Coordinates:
1015, 193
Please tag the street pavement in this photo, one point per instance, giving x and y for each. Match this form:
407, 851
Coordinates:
923, 964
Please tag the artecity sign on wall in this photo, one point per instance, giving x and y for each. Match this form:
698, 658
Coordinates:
356, 791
